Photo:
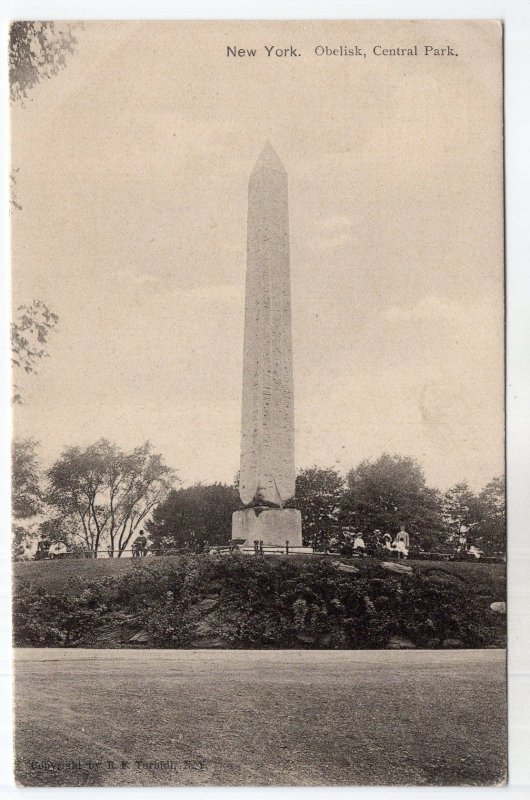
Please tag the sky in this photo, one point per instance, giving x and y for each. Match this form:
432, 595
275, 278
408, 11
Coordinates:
133, 171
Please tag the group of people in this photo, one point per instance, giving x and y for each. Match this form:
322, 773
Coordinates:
48, 549
400, 545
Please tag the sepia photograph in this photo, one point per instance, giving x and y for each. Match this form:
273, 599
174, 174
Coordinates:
258, 361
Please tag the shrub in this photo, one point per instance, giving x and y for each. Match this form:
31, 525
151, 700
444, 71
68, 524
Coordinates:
44, 620
431, 612
167, 622
261, 603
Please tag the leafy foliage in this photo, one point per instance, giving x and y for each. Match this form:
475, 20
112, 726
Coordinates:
384, 494
259, 602
460, 509
30, 330
478, 519
285, 604
491, 525
432, 613
44, 620
37, 50
318, 496
190, 518
26, 491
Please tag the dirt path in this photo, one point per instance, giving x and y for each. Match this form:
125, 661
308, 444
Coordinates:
158, 717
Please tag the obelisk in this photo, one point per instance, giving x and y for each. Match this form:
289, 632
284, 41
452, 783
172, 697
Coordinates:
267, 471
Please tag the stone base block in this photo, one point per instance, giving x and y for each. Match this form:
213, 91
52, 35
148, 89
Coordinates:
272, 526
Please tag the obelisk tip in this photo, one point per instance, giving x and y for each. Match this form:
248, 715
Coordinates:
269, 159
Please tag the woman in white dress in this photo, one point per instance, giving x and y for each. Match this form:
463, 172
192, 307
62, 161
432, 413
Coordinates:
401, 543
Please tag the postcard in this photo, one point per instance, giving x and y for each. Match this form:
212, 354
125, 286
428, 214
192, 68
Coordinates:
259, 527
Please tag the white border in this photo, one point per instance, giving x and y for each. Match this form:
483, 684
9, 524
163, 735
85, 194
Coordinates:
516, 17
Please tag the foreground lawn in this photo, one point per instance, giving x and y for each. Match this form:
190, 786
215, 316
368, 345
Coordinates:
259, 717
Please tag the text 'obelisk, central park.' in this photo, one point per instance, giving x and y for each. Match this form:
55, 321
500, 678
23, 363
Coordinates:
267, 473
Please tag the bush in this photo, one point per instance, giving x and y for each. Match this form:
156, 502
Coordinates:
44, 620
261, 603
432, 612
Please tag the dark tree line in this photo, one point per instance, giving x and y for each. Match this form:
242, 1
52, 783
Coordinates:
100, 497
377, 496
193, 517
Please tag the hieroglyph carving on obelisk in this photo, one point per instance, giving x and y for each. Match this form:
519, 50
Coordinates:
267, 474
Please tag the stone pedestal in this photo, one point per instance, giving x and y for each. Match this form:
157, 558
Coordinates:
272, 526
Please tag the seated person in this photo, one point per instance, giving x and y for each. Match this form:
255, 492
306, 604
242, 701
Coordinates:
358, 542
57, 550
387, 541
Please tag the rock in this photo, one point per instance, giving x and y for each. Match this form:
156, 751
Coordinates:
499, 608
324, 640
306, 638
139, 638
205, 627
400, 643
402, 568
447, 578
369, 606
345, 567
206, 605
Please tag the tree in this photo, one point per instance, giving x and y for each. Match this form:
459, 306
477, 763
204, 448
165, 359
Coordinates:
62, 527
37, 50
318, 496
490, 530
29, 333
390, 492
26, 494
109, 493
13, 198
195, 516
461, 510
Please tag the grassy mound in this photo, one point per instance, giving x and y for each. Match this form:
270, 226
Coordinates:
246, 602
56, 575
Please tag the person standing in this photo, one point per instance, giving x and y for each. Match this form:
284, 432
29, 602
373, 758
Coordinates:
43, 548
402, 542
140, 546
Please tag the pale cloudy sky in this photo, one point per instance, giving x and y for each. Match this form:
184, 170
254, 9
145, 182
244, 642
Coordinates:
134, 164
